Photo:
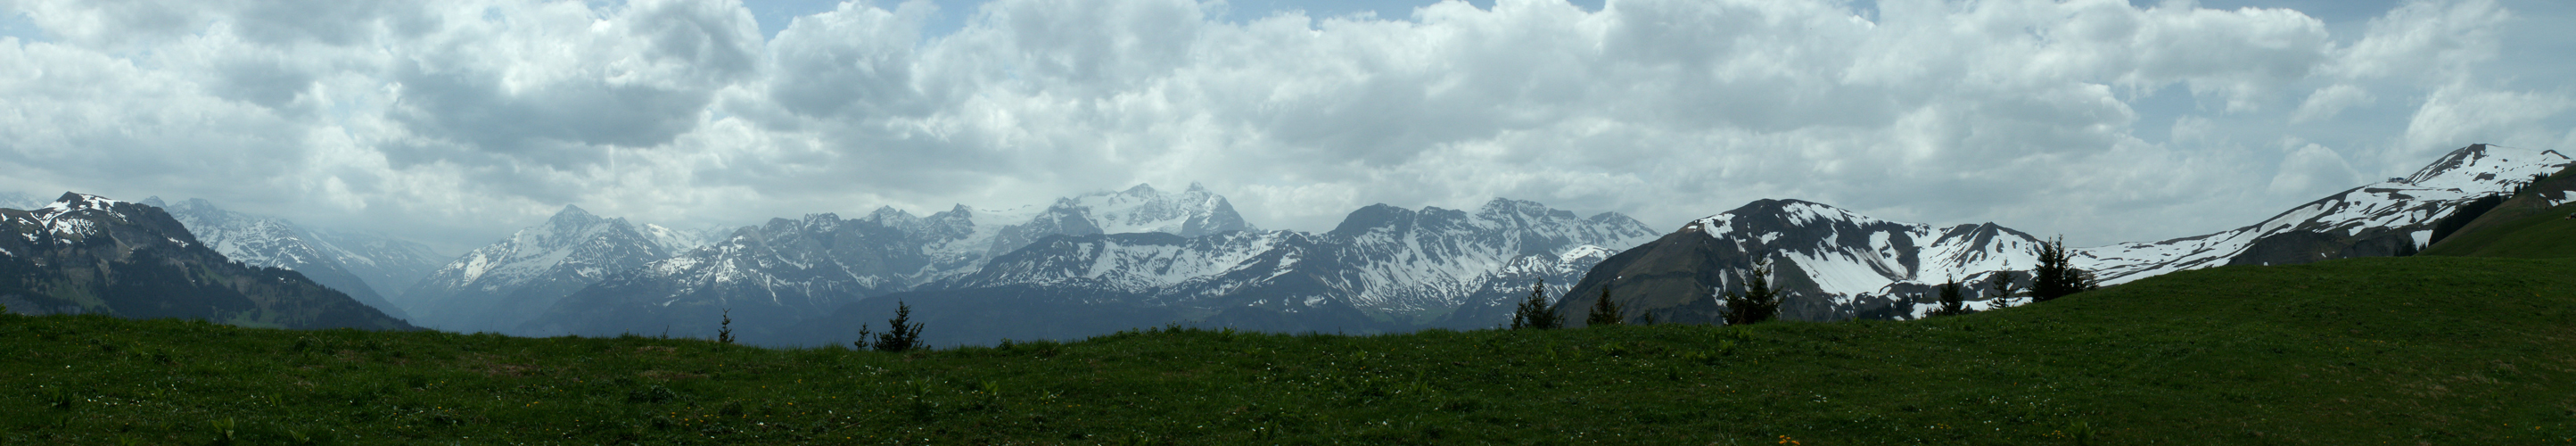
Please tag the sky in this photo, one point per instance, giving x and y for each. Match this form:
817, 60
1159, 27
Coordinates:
457, 122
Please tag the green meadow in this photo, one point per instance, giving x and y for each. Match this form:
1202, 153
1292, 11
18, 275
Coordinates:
2419, 350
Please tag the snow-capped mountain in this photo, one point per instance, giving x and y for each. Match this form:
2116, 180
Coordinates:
366, 267
88, 254
1384, 268
789, 269
497, 287
1835, 264
2371, 220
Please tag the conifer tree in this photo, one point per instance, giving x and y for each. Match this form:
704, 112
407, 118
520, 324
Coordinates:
1604, 311
904, 335
2057, 275
1534, 312
2004, 289
862, 343
1758, 302
724, 330
1953, 302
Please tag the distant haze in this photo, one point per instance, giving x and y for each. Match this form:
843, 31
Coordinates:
456, 122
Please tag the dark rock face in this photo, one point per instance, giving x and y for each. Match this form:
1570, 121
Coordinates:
86, 254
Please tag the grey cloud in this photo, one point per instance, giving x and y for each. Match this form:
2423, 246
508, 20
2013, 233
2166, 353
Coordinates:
266, 81
474, 107
717, 42
1935, 111
855, 59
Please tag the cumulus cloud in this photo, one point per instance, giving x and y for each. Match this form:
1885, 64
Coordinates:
457, 120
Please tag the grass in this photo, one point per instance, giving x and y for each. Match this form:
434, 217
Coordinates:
2436, 350
2545, 233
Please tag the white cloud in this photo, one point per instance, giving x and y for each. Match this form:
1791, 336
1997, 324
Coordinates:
2312, 170
458, 119
2326, 102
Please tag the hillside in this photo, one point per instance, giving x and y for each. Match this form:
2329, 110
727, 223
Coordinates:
1835, 264
2539, 222
2439, 349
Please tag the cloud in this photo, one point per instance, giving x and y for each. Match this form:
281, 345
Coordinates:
2326, 102
458, 119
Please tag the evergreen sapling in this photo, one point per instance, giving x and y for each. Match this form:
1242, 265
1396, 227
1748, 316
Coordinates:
2004, 289
904, 335
1758, 302
1604, 311
1534, 312
2056, 276
1953, 302
724, 330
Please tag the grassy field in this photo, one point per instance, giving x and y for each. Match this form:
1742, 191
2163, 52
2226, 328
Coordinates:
2425, 350
2543, 233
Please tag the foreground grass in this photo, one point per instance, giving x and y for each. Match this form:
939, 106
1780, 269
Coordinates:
2367, 351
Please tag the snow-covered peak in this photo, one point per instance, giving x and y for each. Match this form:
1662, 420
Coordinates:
1585, 254
572, 216
890, 217
677, 240
2402, 209
1142, 208
73, 201
1789, 213
2484, 167
1847, 255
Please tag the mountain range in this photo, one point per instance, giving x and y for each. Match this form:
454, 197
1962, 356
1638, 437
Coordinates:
1834, 264
1382, 269
1108, 261
368, 267
772, 275
500, 286
85, 254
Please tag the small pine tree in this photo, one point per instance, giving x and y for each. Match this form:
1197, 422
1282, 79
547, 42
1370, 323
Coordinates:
1953, 302
1604, 311
1646, 319
1534, 312
2057, 275
2004, 289
724, 330
905, 335
864, 331
1758, 302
